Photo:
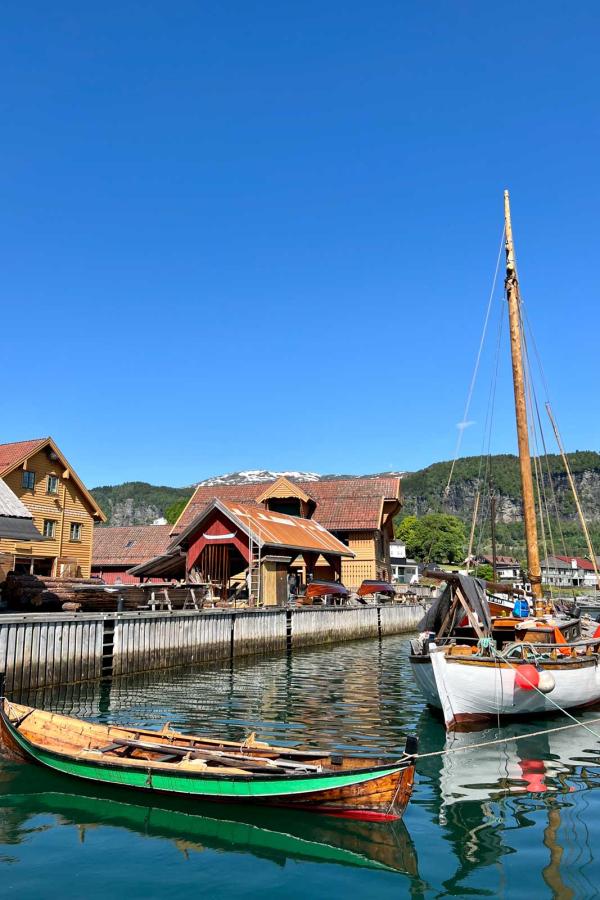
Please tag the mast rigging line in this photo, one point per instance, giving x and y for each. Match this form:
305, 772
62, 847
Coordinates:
462, 424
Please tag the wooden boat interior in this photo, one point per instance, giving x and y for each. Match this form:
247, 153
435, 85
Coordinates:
168, 749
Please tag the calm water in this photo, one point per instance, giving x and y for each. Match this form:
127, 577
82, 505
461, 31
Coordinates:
519, 820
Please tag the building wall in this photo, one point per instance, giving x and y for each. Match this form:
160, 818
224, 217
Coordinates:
65, 507
371, 549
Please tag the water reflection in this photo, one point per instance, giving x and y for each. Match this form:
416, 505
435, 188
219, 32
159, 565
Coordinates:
275, 835
514, 819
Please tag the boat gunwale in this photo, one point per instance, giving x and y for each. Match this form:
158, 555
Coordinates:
390, 769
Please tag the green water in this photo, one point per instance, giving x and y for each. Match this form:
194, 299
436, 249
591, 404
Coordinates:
519, 820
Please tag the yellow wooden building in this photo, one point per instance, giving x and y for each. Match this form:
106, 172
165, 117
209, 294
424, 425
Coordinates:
63, 510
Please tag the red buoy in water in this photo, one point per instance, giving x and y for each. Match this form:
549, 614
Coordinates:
527, 677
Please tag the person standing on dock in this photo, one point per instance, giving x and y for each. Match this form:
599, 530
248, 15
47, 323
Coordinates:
292, 586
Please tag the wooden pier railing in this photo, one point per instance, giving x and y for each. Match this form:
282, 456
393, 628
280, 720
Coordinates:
43, 649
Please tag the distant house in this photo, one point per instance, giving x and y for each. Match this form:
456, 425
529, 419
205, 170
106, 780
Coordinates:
359, 512
568, 571
507, 567
62, 508
118, 548
404, 570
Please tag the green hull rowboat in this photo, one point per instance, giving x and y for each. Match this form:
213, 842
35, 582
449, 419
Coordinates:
207, 769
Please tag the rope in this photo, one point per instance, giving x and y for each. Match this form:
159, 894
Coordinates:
547, 697
463, 423
506, 740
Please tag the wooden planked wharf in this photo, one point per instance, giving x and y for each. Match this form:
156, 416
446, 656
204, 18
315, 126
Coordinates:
43, 649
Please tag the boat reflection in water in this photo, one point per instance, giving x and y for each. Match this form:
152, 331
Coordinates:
275, 835
486, 795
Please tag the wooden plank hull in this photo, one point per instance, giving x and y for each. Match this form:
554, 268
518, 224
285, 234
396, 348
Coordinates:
73, 747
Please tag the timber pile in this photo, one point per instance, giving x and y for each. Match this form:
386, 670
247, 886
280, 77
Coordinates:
31, 593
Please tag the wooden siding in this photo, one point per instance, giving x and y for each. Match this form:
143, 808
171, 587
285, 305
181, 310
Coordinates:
67, 506
40, 650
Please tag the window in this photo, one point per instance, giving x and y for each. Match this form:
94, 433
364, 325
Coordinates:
75, 534
52, 487
49, 528
28, 480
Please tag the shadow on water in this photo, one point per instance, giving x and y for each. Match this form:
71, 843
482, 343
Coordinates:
515, 819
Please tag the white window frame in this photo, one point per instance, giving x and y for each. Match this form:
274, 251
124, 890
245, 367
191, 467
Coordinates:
52, 534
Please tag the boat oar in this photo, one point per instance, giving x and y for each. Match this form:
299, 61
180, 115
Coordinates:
257, 763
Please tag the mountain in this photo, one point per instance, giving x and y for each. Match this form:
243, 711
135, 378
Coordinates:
140, 503
137, 502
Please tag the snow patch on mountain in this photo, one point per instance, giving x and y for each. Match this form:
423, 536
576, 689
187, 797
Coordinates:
255, 476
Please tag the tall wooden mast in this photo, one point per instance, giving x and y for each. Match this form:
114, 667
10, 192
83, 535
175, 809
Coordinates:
511, 285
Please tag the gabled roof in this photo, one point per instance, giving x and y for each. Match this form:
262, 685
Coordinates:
11, 455
14, 455
16, 522
579, 560
128, 545
502, 560
269, 528
344, 504
283, 487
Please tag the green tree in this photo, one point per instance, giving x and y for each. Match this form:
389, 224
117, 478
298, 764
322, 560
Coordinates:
405, 530
484, 571
435, 538
173, 511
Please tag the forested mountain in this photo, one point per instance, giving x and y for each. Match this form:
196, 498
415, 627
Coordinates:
137, 502
423, 491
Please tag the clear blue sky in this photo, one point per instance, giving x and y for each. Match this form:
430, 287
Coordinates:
245, 235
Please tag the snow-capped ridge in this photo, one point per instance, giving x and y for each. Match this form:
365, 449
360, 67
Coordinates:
255, 476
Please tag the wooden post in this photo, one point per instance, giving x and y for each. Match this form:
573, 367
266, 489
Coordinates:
472, 534
575, 495
511, 285
493, 524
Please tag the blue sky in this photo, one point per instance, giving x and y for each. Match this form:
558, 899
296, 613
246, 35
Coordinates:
262, 235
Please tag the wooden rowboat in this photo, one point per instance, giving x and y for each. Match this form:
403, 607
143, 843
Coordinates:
169, 762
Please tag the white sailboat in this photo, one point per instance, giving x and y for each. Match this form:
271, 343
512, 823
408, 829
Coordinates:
507, 666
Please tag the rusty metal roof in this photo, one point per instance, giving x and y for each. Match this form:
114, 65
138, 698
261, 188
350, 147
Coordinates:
272, 529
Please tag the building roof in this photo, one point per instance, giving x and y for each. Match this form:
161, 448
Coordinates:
128, 545
579, 560
344, 504
16, 522
271, 529
15, 454
502, 561
12, 454
567, 561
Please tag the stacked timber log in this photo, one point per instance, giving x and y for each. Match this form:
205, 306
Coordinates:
31, 593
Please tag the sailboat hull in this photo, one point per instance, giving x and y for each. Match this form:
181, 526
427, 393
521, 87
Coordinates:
473, 690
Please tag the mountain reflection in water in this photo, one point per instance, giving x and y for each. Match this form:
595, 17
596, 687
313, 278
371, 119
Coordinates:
516, 819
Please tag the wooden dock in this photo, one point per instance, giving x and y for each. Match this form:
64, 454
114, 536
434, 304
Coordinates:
43, 649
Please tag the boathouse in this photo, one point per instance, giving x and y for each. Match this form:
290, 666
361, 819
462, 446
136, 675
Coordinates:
117, 548
247, 543
62, 509
359, 512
